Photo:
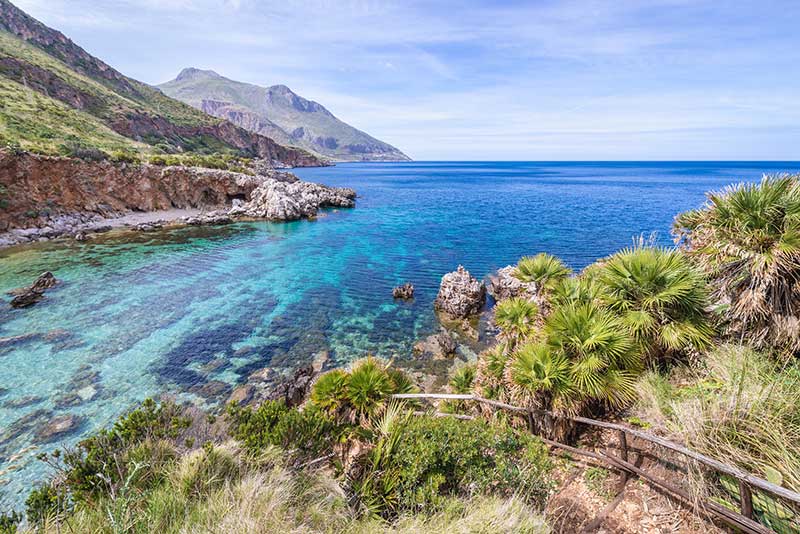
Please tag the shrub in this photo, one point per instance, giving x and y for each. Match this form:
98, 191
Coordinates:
120, 156
104, 460
9, 522
423, 460
45, 503
307, 433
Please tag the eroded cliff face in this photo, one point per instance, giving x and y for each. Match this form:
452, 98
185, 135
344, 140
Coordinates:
35, 189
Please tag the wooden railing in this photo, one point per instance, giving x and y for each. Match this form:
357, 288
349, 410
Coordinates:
785, 518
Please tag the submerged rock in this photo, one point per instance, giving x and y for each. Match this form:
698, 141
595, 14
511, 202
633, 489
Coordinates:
504, 285
405, 291
437, 346
58, 426
460, 295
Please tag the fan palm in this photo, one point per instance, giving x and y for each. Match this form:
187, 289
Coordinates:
587, 356
545, 270
660, 297
329, 392
748, 239
516, 318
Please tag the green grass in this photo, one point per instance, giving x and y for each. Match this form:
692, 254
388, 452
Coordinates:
41, 124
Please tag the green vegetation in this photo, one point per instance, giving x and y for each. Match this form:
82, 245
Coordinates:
747, 238
40, 124
545, 270
258, 468
660, 297
737, 405
516, 318
360, 394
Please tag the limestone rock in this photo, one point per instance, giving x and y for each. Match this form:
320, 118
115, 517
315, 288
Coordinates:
28, 296
460, 295
405, 291
504, 285
294, 390
284, 201
437, 346
242, 394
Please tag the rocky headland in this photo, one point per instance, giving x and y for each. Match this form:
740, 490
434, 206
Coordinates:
45, 197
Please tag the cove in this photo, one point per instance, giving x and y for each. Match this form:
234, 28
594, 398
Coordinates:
192, 312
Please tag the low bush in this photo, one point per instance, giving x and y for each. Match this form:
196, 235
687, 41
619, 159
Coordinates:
306, 433
420, 461
104, 461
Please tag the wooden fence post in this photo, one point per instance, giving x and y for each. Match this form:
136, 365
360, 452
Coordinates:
746, 498
623, 447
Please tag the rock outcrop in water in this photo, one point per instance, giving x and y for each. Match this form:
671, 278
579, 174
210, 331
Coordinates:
277, 200
28, 296
504, 285
405, 291
460, 295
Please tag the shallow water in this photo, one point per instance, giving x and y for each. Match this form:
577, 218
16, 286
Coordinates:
142, 314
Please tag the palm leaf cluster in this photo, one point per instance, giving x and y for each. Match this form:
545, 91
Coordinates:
544, 270
516, 317
660, 297
362, 393
586, 356
747, 237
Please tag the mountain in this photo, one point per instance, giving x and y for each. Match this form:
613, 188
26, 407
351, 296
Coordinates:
56, 98
279, 113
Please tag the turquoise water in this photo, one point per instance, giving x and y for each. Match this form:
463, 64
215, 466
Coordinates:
143, 314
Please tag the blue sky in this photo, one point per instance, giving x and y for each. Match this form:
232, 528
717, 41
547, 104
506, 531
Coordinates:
537, 80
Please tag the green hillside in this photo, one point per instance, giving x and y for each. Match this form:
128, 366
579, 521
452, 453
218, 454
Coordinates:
57, 97
279, 113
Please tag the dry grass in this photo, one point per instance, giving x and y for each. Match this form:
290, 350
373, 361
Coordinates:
217, 490
740, 407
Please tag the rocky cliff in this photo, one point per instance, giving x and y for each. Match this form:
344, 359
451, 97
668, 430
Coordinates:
49, 193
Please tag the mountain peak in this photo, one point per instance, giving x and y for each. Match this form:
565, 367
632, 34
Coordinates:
192, 73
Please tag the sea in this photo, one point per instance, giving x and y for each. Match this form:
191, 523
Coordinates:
192, 312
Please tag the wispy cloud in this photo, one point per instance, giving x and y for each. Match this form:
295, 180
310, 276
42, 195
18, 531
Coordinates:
546, 79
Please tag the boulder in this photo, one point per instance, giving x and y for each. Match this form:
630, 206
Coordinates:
405, 291
28, 296
242, 394
293, 391
504, 285
460, 295
437, 346
45, 280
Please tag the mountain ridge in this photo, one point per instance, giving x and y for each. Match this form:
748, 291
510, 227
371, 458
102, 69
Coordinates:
279, 113
57, 96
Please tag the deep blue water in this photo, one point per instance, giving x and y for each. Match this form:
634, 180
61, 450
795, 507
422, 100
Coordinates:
142, 314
